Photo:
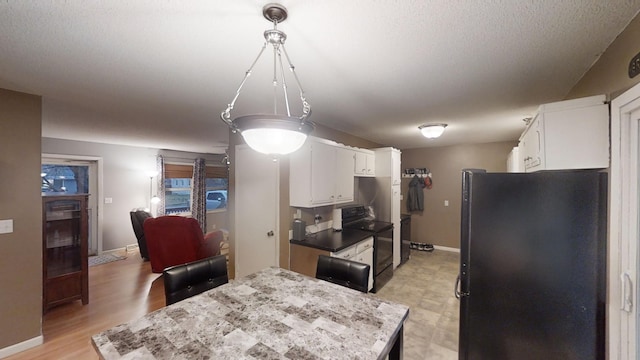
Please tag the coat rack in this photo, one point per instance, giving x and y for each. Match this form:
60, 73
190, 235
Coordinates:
420, 172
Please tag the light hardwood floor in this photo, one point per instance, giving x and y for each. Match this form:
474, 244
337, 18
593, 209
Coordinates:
127, 289
118, 292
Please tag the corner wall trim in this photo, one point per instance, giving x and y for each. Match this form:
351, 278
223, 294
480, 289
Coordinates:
25, 345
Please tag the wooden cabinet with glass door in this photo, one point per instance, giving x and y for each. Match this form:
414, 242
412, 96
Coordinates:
64, 245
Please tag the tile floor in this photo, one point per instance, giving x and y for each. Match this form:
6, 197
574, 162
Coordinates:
425, 283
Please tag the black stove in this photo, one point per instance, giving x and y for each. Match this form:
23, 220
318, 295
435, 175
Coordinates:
369, 225
357, 217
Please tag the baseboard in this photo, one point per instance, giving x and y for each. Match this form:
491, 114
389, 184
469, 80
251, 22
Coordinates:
131, 247
445, 248
126, 249
25, 345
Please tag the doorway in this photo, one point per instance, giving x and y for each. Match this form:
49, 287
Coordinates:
65, 174
624, 206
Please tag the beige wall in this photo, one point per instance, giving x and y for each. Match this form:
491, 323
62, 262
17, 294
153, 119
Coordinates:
609, 75
20, 200
439, 224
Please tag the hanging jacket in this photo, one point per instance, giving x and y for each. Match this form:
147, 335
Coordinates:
415, 197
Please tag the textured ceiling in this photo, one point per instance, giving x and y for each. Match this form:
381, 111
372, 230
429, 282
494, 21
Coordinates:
158, 73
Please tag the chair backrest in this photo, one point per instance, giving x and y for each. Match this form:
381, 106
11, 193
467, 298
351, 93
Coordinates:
187, 280
137, 219
173, 240
343, 272
213, 241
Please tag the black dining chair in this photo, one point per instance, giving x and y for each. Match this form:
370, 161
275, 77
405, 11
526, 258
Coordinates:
343, 272
186, 280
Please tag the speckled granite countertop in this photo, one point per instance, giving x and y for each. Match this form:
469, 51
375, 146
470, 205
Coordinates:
272, 314
333, 241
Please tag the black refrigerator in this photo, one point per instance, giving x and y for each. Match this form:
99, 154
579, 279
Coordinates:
532, 281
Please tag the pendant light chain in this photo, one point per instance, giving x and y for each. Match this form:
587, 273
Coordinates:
226, 114
276, 134
306, 108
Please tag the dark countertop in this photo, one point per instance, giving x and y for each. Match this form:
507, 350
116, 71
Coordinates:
333, 240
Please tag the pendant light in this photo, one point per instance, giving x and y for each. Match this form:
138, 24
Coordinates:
274, 134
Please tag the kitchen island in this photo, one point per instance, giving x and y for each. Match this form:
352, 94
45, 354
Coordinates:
272, 314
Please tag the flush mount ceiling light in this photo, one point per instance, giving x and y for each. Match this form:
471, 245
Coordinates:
432, 131
273, 134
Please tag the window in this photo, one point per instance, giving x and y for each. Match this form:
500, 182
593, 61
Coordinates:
178, 188
217, 185
64, 179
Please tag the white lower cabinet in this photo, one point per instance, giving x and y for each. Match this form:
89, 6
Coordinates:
361, 252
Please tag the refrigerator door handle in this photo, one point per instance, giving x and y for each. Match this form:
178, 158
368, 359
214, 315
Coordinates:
627, 293
456, 289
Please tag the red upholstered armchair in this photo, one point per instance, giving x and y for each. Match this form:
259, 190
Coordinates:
175, 240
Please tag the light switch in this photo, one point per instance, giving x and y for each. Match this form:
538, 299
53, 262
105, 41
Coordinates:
6, 226
108, 200
446, 203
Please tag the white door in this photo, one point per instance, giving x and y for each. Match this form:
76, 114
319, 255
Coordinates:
66, 166
256, 211
623, 226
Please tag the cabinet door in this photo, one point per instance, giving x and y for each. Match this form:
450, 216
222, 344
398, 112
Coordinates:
344, 175
360, 167
371, 164
366, 257
395, 167
323, 165
532, 146
395, 219
65, 266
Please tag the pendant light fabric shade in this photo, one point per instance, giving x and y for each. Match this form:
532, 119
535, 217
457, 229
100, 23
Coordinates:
432, 131
273, 134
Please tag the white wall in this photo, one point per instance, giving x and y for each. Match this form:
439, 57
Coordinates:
125, 180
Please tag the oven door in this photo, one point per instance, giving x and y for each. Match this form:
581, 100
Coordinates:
383, 250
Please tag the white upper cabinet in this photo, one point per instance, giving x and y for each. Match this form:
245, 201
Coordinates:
365, 163
514, 164
321, 173
323, 166
344, 175
571, 134
388, 162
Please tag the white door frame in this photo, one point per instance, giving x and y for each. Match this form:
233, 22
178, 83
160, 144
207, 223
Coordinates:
98, 196
623, 227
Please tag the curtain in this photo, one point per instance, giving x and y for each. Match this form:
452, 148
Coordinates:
160, 167
199, 193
